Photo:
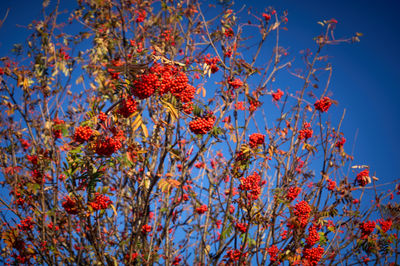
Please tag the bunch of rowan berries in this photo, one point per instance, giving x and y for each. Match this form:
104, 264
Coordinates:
82, 134
187, 107
254, 104
302, 211
339, 144
292, 193
127, 107
331, 185
212, 62
70, 205
107, 146
256, 139
277, 95
313, 236
241, 227
312, 256
273, 253
385, 224
202, 125
202, 209
100, 202
306, 132
252, 184
38, 176
26, 224
236, 83
102, 116
363, 178
367, 228
145, 85
323, 104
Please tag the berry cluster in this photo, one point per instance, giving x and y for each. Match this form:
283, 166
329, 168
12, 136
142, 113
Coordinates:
302, 211
256, 139
363, 178
312, 256
367, 228
202, 125
167, 37
202, 209
273, 253
187, 108
239, 106
177, 260
145, 86
277, 95
331, 185
385, 224
180, 88
164, 79
146, 229
82, 134
26, 224
107, 146
313, 236
25, 144
113, 73
140, 15
339, 144
235, 255
266, 17
228, 32
70, 205
241, 227
127, 107
252, 184
212, 62
102, 116
33, 159
254, 104
56, 128
100, 202
306, 132
236, 83
38, 176
323, 104
292, 193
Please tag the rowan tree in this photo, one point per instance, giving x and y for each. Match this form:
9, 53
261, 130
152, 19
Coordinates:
137, 133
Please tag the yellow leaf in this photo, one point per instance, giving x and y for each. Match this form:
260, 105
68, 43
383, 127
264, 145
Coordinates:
144, 128
115, 210
207, 249
170, 108
244, 148
137, 122
164, 186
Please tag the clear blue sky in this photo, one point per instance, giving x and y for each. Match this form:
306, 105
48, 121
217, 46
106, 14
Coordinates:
365, 77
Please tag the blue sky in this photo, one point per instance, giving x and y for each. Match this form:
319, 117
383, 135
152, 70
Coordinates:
365, 77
